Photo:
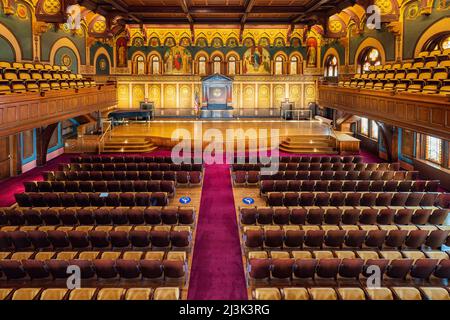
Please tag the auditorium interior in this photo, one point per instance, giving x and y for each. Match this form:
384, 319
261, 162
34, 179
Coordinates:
224, 150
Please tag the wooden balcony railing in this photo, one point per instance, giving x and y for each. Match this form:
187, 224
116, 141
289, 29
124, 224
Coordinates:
428, 114
21, 112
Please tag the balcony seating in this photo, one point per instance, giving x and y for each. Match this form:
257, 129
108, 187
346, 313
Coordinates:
15, 219
428, 74
20, 77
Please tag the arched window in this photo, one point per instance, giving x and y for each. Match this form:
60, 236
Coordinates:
217, 61
441, 43
232, 66
294, 65
139, 65
445, 44
369, 58
202, 65
433, 149
331, 66
364, 126
279, 65
155, 65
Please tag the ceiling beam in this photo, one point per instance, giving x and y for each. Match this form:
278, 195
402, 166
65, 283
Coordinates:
123, 8
248, 8
310, 9
185, 8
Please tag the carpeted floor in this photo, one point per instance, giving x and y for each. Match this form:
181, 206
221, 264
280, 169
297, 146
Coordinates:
217, 272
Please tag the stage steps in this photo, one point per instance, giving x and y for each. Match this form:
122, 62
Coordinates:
125, 144
309, 144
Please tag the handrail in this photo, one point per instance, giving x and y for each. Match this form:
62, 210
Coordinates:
101, 141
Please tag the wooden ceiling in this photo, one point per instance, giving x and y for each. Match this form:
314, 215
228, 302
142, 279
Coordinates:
219, 12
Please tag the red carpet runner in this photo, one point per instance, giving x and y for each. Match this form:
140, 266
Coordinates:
217, 272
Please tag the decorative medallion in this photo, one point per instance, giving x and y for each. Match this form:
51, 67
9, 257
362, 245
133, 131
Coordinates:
66, 60
99, 26
22, 11
51, 7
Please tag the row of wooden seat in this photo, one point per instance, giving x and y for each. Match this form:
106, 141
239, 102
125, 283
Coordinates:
359, 199
160, 293
348, 217
162, 271
257, 238
425, 80
348, 186
298, 270
319, 166
352, 293
109, 237
73, 216
255, 177
17, 78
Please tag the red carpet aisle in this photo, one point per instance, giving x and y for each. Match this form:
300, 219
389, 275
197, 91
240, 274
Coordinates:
217, 272
14, 185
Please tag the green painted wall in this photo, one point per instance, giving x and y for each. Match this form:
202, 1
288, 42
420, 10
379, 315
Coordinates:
49, 38
98, 45
413, 29
338, 47
65, 51
6, 50
22, 30
102, 60
386, 38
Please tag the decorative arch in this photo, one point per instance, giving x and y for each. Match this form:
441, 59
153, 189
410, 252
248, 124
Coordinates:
435, 29
369, 42
103, 51
217, 53
232, 53
64, 42
201, 67
331, 51
135, 62
101, 69
9, 36
281, 53
154, 69
201, 53
295, 63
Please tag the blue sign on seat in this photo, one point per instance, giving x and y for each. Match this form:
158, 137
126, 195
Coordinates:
248, 200
185, 200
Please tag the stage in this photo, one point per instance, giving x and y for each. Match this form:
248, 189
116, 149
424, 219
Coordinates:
248, 133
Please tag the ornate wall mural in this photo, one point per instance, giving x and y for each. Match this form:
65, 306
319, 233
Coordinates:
256, 60
177, 60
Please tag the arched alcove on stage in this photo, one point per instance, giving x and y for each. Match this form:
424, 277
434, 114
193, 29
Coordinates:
217, 97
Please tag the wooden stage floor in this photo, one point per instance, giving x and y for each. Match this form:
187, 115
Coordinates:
164, 129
